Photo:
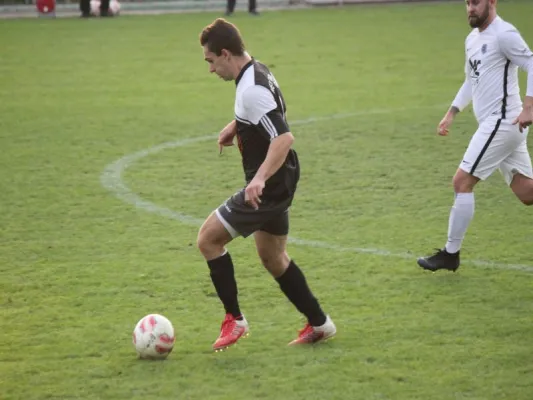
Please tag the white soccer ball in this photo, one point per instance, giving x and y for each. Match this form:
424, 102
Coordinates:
153, 337
114, 7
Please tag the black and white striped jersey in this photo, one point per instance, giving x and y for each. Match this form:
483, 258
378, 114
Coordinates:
260, 114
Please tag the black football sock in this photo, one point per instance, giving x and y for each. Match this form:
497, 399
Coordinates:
295, 287
223, 278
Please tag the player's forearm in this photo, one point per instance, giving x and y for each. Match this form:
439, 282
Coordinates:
463, 97
528, 102
276, 155
232, 125
529, 89
453, 111
527, 65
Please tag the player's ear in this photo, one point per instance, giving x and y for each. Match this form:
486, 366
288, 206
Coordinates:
225, 53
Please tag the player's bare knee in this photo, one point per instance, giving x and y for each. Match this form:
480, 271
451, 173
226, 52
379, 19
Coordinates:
461, 187
268, 260
203, 243
463, 182
274, 263
208, 246
265, 260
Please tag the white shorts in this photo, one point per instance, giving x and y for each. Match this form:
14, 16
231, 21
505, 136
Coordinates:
498, 144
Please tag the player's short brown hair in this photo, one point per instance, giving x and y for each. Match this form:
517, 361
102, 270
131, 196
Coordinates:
222, 34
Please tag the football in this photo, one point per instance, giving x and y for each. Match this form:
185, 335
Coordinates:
153, 337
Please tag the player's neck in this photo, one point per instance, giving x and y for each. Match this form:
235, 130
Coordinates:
240, 62
492, 17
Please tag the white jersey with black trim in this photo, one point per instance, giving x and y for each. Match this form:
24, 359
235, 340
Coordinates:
492, 60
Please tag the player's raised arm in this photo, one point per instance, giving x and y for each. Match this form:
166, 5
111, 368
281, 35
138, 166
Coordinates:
517, 51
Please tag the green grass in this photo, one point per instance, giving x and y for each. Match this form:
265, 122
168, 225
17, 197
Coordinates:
79, 266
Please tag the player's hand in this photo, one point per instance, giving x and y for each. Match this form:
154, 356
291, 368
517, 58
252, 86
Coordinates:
253, 192
444, 125
226, 135
525, 118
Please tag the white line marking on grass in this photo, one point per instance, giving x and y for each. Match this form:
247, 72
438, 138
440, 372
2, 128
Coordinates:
111, 179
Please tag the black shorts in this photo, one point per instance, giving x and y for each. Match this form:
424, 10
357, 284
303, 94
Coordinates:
240, 218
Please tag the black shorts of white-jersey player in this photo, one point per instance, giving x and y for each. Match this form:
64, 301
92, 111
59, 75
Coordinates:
494, 51
261, 208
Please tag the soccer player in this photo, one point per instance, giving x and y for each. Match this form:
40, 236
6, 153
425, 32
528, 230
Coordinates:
494, 51
271, 171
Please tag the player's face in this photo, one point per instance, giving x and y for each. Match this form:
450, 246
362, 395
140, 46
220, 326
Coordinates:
218, 64
478, 12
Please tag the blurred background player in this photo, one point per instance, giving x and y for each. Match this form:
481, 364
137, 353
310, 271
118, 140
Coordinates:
252, 7
85, 8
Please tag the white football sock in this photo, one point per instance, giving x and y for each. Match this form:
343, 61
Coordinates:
460, 216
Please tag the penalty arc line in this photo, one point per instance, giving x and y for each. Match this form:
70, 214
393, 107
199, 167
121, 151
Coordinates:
111, 179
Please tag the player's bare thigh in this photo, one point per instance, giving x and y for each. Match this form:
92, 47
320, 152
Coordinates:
522, 187
272, 252
212, 237
518, 172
